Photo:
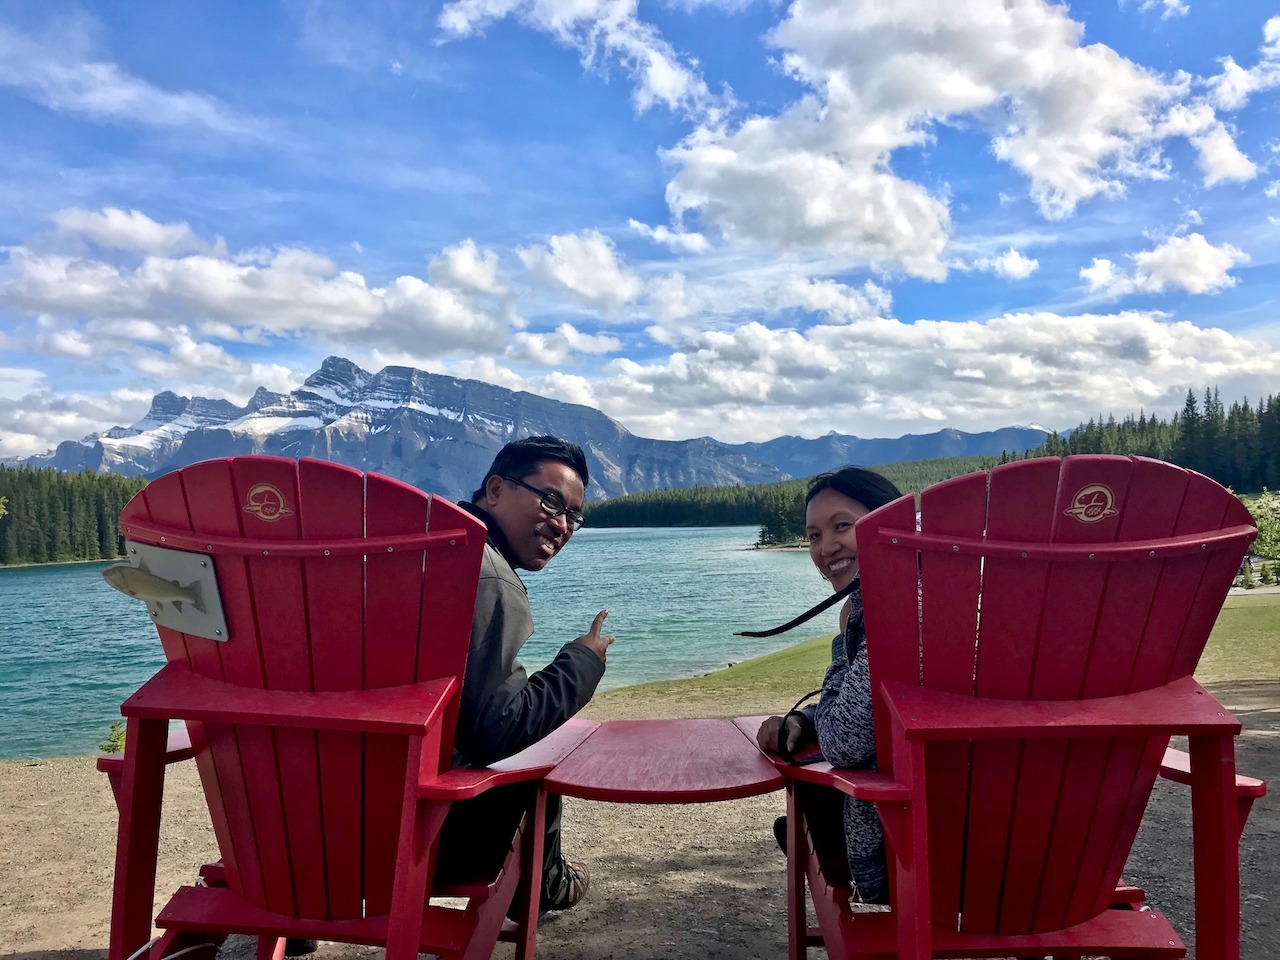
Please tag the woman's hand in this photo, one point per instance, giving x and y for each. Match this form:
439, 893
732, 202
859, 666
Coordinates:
774, 732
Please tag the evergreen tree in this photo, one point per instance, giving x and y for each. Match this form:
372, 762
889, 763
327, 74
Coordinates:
1187, 448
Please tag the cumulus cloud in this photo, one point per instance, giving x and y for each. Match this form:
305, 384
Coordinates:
37, 418
555, 348
1216, 152
18, 381
678, 240
585, 264
1188, 262
1011, 265
1167, 8
1078, 120
1231, 89
598, 29
168, 315
778, 183
874, 373
465, 266
130, 230
61, 72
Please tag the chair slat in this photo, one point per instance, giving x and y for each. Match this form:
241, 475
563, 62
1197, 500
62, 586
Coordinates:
1020, 507
334, 499
393, 611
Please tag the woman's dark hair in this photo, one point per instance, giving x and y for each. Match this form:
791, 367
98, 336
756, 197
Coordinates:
519, 458
857, 483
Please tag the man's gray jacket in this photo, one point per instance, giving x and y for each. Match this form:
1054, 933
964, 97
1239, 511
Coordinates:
503, 709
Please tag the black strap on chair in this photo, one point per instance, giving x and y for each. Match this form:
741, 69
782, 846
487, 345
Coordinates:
804, 617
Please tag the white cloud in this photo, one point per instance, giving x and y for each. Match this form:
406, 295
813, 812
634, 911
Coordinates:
36, 421
1188, 262
1079, 121
169, 316
61, 72
554, 349
771, 183
596, 29
585, 264
1011, 265
679, 241
465, 266
1231, 89
1216, 152
18, 381
870, 375
132, 230
1167, 8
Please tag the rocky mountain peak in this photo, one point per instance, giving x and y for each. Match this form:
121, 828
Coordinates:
440, 433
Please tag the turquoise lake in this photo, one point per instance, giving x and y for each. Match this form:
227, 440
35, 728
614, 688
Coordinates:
71, 648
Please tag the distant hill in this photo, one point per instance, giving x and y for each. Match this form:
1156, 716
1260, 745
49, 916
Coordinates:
802, 457
440, 433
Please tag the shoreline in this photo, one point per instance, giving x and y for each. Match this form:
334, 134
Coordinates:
56, 563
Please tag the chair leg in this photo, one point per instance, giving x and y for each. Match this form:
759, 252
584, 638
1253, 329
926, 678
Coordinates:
270, 948
797, 859
529, 891
141, 795
418, 832
1215, 836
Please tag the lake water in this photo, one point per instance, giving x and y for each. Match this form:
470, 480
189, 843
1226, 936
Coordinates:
71, 648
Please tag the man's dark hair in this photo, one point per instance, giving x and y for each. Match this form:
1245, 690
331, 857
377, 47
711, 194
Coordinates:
857, 483
519, 458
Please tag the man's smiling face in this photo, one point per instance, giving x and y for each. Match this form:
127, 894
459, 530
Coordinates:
534, 536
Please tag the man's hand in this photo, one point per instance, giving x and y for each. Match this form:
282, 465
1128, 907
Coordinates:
593, 639
771, 733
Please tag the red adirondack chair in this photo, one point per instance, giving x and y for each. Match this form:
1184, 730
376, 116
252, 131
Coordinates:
1031, 650
315, 621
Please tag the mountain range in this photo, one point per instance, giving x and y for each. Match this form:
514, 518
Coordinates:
440, 433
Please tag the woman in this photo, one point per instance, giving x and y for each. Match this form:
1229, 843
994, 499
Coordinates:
841, 720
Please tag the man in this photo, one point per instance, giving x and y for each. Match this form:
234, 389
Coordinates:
531, 501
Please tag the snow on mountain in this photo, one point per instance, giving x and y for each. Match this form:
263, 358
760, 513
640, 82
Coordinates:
440, 433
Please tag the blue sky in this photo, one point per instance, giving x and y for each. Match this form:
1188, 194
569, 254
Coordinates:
718, 217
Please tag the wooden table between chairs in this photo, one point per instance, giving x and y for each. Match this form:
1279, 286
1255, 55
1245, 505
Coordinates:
666, 761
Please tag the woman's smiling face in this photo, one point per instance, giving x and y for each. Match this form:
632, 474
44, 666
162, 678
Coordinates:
828, 526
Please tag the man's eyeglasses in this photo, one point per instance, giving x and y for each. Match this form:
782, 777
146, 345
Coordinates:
552, 504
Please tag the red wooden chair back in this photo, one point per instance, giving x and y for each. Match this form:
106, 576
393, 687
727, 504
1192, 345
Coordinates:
1045, 579
327, 583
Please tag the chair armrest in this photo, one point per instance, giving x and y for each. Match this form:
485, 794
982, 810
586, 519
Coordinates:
175, 693
862, 784
1180, 707
532, 763
178, 749
1176, 766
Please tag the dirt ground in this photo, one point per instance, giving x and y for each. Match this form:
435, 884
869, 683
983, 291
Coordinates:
685, 882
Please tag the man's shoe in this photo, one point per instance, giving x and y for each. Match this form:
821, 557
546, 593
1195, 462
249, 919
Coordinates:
780, 833
572, 888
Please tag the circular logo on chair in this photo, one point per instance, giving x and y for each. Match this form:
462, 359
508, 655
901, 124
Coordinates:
1092, 503
266, 503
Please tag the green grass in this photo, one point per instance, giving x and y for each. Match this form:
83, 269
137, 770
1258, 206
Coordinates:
1244, 645
766, 684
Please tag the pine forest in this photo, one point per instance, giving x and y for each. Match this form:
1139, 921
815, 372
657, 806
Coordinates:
52, 517
49, 517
